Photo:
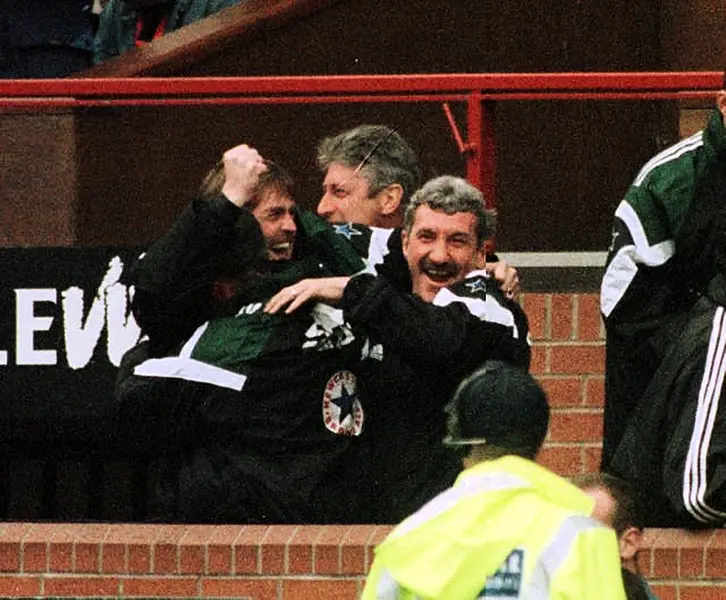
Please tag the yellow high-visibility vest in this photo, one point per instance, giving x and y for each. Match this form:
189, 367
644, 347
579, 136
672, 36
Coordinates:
507, 529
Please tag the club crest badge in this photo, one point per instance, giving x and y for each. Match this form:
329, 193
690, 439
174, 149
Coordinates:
342, 411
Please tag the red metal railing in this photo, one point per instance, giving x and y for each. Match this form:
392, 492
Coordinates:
477, 91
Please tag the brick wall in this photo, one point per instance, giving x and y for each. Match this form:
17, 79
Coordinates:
568, 358
268, 563
315, 562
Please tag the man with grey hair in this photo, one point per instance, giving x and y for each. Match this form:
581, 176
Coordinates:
450, 320
433, 265
370, 174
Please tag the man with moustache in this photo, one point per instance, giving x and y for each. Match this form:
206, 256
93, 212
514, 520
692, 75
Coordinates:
429, 337
463, 338
370, 173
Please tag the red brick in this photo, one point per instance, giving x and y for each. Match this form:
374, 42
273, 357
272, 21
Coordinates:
716, 555
219, 549
81, 586
113, 558
300, 550
88, 548
575, 426
692, 549
536, 307
166, 587
591, 458
14, 586
139, 540
665, 563
563, 391
60, 550
327, 549
35, 547
589, 321
563, 460
11, 538
594, 391
562, 325
243, 589
192, 549
540, 358
35, 557
645, 558
114, 554
576, 358
315, 589
165, 552
665, 591
61, 558
700, 592
247, 555
165, 559
9, 557
14, 532
274, 548
139, 558
353, 551
379, 534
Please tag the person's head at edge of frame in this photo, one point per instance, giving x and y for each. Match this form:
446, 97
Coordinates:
272, 204
499, 410
618, 505
444, 229
370, 173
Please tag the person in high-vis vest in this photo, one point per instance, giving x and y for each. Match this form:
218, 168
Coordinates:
508, 528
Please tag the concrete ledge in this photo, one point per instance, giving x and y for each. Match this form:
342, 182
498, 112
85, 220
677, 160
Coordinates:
269, 562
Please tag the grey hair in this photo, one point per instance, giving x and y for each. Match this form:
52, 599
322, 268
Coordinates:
387, 158
452, 195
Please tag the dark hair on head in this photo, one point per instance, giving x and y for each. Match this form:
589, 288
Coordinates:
510, 444
633, 585
383, 156
274, 178
627, 511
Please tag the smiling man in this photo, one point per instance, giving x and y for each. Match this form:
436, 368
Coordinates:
370, 174
273, 206
450, 320
179, 282
441, 234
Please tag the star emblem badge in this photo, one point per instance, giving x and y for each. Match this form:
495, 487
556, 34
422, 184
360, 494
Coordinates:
346, 229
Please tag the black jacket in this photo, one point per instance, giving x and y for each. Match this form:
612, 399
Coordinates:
673, 448
427, 349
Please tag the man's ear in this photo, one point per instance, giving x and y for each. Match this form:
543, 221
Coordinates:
721, 103
404, 243
389, 199
630, 543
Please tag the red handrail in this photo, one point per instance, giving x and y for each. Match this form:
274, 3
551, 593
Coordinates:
477, 90
541, 84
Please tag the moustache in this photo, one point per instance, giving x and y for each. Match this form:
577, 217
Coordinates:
442, 270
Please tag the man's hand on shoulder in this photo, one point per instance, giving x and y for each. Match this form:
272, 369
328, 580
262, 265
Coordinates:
322, 289
507, 277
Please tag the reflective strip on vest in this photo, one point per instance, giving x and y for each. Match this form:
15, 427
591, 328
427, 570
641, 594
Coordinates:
548, 562
468, 486
555, 554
